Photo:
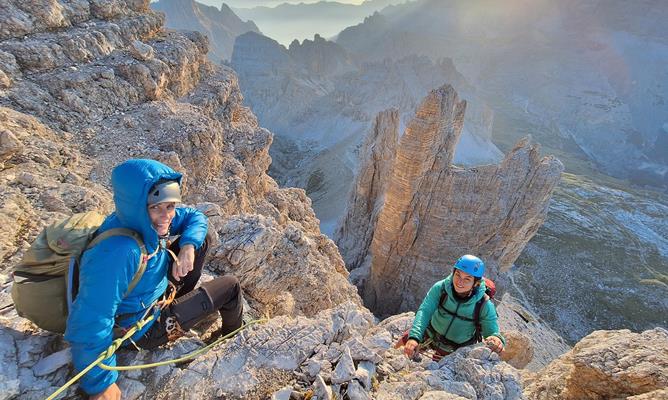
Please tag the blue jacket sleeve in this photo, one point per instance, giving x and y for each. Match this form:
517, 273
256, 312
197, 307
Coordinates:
489, 322
425, 312
191, 224
104, 276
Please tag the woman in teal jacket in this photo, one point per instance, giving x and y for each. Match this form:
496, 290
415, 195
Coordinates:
145, 196
451, 325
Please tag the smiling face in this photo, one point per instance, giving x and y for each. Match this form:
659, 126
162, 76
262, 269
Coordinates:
462, 282
161, 215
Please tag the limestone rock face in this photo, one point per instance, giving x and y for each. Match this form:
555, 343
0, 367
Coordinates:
607, 364
92, 83
355, 232
86, 85
41, 179
434, 212
325, 354
282, 267
530, 343
519, 348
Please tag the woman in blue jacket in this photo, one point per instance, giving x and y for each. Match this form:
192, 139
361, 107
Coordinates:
145, 196
446, 318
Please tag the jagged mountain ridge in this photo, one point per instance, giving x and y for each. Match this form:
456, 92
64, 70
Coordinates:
221, 25
588, 70
326, 111
286, 21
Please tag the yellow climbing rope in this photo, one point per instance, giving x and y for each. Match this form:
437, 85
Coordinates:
118, 342
187, 357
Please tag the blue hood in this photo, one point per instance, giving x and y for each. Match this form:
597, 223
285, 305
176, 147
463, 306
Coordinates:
131, 182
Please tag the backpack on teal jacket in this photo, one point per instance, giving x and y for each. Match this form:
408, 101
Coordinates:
46, 279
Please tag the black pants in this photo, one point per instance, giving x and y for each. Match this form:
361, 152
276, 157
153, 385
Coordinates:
222, 294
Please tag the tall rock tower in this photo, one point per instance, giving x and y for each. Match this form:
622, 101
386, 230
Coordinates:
431, 212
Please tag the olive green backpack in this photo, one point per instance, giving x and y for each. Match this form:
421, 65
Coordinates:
46, 279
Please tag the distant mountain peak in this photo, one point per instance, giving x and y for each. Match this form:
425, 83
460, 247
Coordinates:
220, 25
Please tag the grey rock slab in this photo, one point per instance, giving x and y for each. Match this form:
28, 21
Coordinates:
333, 352
380, 341
439, 395
360, 350
321, 390
283, 394
8, 357
462, 389
363, 350
29, 382
141, 51
357, 322
396, 360
400, 391
30, 348
9, 388
355, 391
9, 375
52, 362
313, 367
131, 388
366, 370
345, 369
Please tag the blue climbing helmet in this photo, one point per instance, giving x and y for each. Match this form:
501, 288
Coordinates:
472, 265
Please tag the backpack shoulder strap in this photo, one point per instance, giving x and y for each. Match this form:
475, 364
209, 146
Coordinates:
444, 297
476, 316
138, 239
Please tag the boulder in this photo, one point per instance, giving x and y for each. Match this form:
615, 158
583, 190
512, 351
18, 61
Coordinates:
607, 364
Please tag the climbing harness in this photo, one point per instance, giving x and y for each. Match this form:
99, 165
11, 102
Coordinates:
173, 329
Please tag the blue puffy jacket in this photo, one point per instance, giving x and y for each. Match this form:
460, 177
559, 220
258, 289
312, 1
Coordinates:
107, 269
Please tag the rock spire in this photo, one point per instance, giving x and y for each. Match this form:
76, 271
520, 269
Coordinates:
433, 212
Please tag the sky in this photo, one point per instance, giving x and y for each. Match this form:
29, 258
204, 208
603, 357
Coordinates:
268, 3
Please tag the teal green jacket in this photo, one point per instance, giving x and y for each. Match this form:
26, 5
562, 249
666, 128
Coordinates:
452, 327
